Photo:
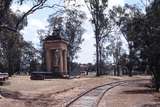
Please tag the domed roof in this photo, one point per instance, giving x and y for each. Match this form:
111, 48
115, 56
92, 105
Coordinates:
56, 35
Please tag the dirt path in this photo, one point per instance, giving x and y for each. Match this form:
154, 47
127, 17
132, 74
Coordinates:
134, 94
23, 92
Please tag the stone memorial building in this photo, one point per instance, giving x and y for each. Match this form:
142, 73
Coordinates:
56, 54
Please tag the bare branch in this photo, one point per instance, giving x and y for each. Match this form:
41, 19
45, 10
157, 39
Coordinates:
30, 11
8, 28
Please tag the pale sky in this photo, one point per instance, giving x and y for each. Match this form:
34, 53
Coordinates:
38, 20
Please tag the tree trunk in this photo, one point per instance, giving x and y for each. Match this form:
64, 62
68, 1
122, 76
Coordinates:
156, 76
114, 72
100, 58
97, 58
69, 67
130, 71
118, 71
157, 86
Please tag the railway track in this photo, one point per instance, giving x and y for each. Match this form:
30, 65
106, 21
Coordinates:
92, 97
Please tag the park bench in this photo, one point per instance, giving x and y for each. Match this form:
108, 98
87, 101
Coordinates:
3, 77
41, 75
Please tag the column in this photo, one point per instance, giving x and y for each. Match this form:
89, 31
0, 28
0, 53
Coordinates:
65, 61
61, 61
48, 60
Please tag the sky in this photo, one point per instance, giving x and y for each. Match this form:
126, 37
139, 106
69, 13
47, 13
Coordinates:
38, 20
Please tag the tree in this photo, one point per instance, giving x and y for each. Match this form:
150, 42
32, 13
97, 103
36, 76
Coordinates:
74, 32
28, 56
142, 33
10, 44
11, 51
33, 66
146, 39
122, 17
5, 9
114, 49
123, 61
97, 9
42, 35
14, 51
152, 44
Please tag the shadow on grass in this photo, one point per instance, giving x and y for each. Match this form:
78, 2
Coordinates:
10, 94
4, 83
157, 99
43, 100
139, 91
151, 105
40, 100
